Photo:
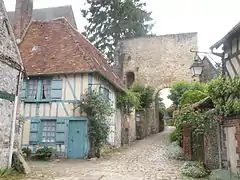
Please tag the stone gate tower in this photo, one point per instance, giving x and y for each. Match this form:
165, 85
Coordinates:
156, 61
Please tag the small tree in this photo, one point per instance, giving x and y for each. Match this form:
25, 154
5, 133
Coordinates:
178, 89
192, 96
98, 111
145, 93
112, 21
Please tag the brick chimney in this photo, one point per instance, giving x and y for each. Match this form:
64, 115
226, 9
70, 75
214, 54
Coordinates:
23, 16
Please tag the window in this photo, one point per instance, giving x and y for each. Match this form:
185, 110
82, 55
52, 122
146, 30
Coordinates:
32, 89
48, 131
38, 89
105, 93
130, 78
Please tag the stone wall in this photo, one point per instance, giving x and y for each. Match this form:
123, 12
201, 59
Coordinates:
146, 124
128, 128
156, 61
8, 75
211, 151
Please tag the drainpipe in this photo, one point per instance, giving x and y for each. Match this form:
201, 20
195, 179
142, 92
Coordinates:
14, 121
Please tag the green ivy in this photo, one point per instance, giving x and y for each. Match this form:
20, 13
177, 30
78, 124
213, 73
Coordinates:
128, 101
145, 94
225, 93
98, 111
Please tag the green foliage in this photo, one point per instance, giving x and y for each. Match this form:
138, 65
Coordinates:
145, 93
98, 112
225, 94
201, 123
128, 100
174, 151
44, 153
191, 97
112, 21
5, 172
174, 136
194, 170
27, 152
179, 88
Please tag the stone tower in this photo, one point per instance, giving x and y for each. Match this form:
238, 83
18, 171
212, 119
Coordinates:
156, 61
10, 72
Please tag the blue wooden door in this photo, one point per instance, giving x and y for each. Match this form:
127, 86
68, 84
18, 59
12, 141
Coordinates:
77, 139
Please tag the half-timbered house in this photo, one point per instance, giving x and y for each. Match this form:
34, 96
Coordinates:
230, 139
230, 45
61, 65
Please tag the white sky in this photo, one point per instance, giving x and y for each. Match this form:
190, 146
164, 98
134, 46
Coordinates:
212, 19
164, 94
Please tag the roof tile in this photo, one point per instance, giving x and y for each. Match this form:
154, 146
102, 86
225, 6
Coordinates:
55, 47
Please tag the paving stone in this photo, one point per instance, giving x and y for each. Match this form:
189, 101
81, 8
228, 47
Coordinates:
145, 160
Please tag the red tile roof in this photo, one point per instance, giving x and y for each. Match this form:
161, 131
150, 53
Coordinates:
55, 47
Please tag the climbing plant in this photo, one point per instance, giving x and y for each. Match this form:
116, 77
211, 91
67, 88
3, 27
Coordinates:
225, 95
145, 94
98, 110
128, 101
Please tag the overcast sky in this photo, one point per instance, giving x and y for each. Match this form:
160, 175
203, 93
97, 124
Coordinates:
212, 19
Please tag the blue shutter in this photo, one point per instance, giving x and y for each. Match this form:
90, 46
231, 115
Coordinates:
23, 90
34, 131
56, 89
60, 130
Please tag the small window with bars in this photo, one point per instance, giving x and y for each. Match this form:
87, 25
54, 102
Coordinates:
48, 131
105, 93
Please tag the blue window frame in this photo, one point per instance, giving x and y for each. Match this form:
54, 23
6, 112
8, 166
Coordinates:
38, 89
41, 89
48, 131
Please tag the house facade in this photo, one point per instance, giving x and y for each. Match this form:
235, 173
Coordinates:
230, 129
10, 74
61, 66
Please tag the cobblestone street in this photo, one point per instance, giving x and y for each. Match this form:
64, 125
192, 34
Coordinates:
144, 160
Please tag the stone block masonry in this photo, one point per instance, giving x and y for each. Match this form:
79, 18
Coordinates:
9, 58
156, 61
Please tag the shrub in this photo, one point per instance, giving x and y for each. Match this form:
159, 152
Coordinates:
174, 151
27, 152
145, 93
178, 89
191, 96
174, 136
194, 170
128, 100
44, 153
